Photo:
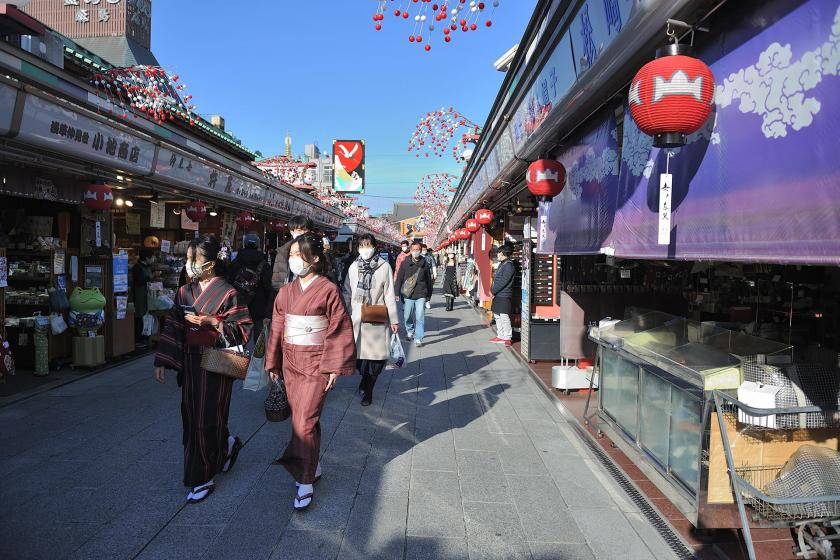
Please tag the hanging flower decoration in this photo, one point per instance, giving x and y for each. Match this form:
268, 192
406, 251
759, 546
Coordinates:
299, 174
148, 90
435, 132
440, 19
433, 195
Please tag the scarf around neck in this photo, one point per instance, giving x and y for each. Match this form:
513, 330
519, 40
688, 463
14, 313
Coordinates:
366, 272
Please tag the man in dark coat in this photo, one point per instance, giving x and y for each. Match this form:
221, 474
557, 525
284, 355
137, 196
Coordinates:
502, 291
416, 276
260, 301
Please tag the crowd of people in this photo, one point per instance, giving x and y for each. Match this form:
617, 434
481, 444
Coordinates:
321, 323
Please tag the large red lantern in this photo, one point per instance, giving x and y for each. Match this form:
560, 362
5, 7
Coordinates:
484, 217
453, 238
245, 219
672, 96
546, 178
98, 197
473, 225
277, 226
463, 234
196, 210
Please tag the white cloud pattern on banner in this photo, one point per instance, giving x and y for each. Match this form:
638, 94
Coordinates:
591, 168
776, 88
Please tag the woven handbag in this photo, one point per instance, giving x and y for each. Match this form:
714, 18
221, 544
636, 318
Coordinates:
225, 361
277, 408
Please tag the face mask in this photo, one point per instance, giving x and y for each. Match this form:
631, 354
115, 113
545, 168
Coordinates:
415, 254
296, 235
298, 267
405, 249
424, 253
195, 270
366, 253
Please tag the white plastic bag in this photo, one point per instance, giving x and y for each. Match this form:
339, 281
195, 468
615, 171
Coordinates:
57, 323
257, 378
397, 354
149, 324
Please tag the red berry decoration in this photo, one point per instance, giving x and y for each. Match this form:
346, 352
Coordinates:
488, 23
428, 48
473, 27
411, 38
378, 26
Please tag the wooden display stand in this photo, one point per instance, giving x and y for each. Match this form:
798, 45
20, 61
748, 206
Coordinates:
88, 351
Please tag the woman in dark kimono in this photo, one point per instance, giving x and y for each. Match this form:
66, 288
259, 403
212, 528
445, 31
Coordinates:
310, 344
207, 312
450, 281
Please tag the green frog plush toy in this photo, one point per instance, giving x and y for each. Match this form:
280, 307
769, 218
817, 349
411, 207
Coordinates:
87, 310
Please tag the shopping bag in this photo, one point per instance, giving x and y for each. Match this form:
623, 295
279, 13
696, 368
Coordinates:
256, 379
57, 323
149, 324
397, 354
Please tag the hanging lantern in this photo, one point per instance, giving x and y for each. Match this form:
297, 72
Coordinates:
196, 210
453, 238
244, 219
473, 225
98, 197
484, 217
546, 178
672, 96
277, 226
463, 234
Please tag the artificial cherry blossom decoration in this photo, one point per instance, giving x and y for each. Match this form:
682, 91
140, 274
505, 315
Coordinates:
435, 133
441, 16
145, 89
433, 195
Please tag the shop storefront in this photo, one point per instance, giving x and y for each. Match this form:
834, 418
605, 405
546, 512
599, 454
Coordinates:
705, 306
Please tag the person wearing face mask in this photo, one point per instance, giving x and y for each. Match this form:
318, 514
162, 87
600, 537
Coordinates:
369, 294
281, 275
502, 291
450, 281
414, 284
310, 344
404, 254
208, 312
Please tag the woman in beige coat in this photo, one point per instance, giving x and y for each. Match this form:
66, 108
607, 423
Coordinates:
370, 281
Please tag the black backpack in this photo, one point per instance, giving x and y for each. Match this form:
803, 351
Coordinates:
247, 281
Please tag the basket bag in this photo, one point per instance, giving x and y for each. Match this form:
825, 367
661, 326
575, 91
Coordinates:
277, 408
229, 362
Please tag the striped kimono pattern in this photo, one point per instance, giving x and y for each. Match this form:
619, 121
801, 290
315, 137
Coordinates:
205, 396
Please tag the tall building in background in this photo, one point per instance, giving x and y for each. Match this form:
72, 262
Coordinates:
288, 142
119, 31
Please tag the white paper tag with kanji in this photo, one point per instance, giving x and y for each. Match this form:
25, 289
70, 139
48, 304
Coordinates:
98, 233
665, 208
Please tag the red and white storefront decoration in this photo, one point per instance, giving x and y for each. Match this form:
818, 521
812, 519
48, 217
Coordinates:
98, 197
245, 219
546, 178
484, 217
196, 210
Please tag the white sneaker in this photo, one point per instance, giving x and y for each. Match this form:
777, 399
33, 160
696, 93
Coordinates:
418, 343
409, 336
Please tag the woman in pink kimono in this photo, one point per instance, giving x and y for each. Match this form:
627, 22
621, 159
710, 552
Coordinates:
310, 344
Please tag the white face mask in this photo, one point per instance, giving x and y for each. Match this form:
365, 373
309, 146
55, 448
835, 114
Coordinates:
296, 234
298, 267
195, 270
366, 253
415, 254
405, 249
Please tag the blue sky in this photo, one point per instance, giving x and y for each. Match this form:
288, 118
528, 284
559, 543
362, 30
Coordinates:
318, 69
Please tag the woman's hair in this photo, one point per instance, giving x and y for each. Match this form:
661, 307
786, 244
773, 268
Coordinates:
366, 237
312, 246
211, 248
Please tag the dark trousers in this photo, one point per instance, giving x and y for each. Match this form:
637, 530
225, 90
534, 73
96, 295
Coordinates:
370, 370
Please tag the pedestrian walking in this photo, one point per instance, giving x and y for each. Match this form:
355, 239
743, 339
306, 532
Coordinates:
405, 248
414, 284
369, 293
450, 281
208, 312
281, 275
502, 291
250, 274
310, 344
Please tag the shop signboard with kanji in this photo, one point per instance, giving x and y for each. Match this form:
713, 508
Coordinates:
61, 130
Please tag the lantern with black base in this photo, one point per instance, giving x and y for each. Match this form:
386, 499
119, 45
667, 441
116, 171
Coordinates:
671, 96
546, 179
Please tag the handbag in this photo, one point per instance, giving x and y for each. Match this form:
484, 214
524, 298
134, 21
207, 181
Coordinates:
377, 314
200, 336
257, 378
277, 407
229, 362
410, 283
58, 299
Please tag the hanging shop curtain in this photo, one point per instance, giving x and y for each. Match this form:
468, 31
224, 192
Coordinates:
761, 181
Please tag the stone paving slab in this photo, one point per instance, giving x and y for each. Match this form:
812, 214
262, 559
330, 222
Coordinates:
460, 457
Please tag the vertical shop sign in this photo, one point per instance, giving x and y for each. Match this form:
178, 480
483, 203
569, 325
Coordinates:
665, 181
122, 306
525, 323
74, 269
59, 262
120, 273
98, 233
157, 215
349, 166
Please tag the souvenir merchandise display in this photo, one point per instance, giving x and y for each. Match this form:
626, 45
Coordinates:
87, 310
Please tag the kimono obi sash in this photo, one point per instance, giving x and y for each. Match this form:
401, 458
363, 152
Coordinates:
306, 330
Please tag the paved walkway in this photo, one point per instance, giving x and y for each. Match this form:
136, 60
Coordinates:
461, 456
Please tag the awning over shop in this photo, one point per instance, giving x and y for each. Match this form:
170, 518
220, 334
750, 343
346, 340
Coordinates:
580, 218
761, 180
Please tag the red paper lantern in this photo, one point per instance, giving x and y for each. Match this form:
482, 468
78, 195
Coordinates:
463, 234
453, 238
473, 225
244, 219
672, 96
484, 216
196, 210
546, 178
277, 226
98, 197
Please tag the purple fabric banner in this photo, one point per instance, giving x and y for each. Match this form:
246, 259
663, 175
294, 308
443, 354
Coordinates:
579, 219
761, 181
